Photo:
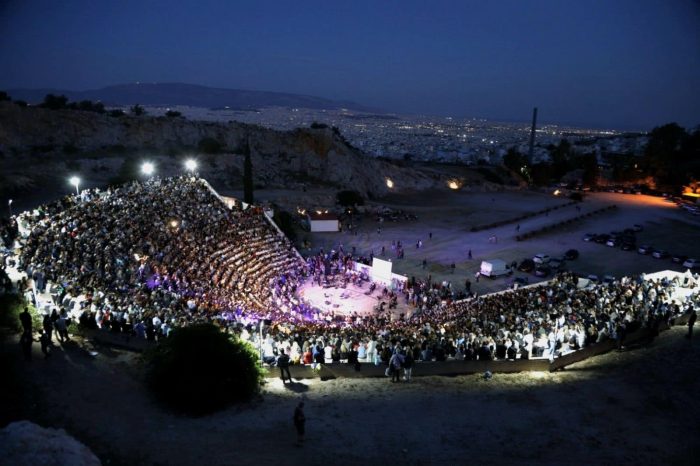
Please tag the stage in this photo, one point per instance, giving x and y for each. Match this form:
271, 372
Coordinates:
352, 299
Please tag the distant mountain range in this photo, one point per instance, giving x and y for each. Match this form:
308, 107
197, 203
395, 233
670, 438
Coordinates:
172, 94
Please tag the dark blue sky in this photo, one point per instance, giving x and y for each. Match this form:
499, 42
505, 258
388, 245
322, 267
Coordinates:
622, 64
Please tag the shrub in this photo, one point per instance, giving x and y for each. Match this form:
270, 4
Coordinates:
11, 305
285, 222
198, 370
209, 146
350, 198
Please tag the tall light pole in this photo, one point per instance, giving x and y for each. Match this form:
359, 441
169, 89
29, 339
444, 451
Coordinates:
75, 181
9, 206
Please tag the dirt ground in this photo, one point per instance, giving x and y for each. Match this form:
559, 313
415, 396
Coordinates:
636, 407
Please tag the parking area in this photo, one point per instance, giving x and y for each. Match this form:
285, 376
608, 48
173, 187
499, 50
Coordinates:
449, 216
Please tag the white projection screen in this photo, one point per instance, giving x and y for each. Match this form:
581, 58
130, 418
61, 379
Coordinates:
381, 270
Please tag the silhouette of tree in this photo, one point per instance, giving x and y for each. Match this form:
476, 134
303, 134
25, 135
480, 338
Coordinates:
247, 174
137, 110
54, 102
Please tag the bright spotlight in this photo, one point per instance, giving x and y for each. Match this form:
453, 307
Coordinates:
75, 181
148, 168
389, 183
453, 185
191, 165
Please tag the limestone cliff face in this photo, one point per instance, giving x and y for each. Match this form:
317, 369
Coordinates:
280, 159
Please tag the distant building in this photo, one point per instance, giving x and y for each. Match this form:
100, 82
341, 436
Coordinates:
323, 222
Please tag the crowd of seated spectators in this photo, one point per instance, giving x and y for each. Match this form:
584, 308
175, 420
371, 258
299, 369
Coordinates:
164, 251
150, 256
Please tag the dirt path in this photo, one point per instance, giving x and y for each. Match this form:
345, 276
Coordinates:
635, 407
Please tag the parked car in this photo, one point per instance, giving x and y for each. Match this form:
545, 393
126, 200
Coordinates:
637, 227
692, 263
613, 242
542, 270
555, 263
627, 246
678, 258
659, 254
571, 254
526, 265
521, 281
541, 258
601, 239
645, 249
589, 236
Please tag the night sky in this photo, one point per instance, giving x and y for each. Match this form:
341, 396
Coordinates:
619, 64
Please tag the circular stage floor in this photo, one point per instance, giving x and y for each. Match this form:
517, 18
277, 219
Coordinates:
352, 299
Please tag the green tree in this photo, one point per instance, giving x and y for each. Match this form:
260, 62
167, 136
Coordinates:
247, 174
514, 160
285, 222
349, 198
209, 145
54, 102
667, 156
561, 156
137, 110
129, 170
589, 163
199, 369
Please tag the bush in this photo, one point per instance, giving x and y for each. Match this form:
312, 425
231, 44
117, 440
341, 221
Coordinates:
11, 305
209, 146
285, 222
350, 198
54, 102
10, 308
198, 370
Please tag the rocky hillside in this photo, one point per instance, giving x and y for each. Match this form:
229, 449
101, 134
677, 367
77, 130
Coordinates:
41, 146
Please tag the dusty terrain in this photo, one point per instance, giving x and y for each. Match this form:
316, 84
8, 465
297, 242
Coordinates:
635, 407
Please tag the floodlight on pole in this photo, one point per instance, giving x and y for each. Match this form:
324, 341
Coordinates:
9, 206
389, 183
75, 181
191, 165
148, 168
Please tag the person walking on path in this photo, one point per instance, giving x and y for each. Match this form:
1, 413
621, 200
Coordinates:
283, 364
26, 319
45, 341
300, 423
691, 322
25, 341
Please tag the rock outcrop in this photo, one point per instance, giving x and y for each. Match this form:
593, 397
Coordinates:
25, 443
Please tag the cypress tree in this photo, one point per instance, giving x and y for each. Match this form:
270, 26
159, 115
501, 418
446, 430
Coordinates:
247, 174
